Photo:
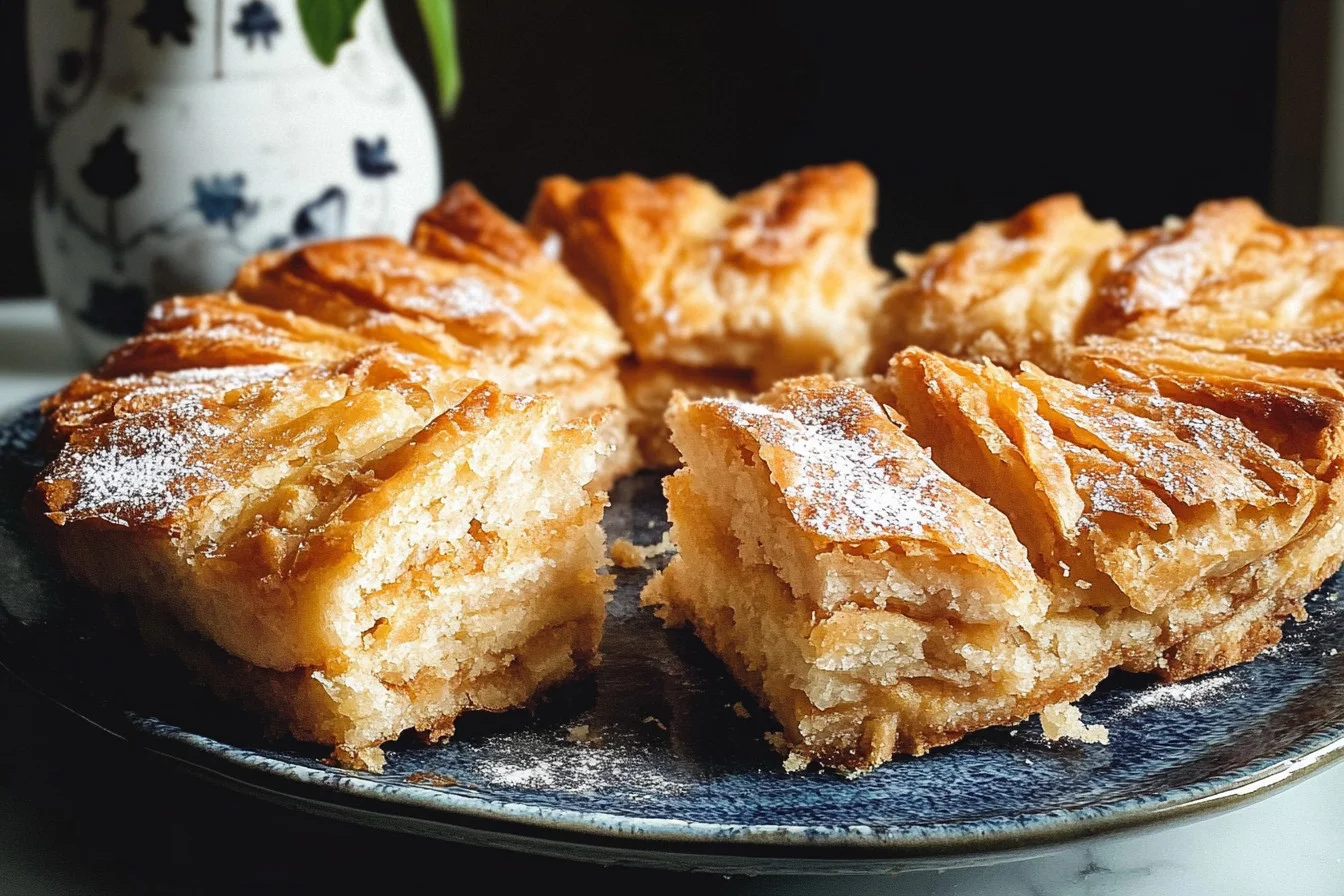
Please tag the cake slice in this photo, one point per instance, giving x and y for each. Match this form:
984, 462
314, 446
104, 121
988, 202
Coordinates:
891, 565
776, 280
1150, 511
868, 600
1031, 287
477, 293
1008, 291
714, 291
352, 549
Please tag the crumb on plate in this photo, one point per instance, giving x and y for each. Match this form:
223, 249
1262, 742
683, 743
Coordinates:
1064, 720
628, 555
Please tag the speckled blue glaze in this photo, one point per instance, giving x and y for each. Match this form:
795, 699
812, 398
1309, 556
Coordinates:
671, 775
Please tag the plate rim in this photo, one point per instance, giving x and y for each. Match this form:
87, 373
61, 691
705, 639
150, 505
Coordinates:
653, 841
986, 836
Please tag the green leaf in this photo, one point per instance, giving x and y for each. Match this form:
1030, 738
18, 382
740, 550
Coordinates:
327, 24
441, 31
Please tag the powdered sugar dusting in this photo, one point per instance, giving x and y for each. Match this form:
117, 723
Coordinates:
1153, 450
846, 482
1178, 695
584, 770
141, 468
552, 246
221, 379
144, 467
467, 299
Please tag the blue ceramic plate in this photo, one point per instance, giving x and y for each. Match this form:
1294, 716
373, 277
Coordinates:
671, 774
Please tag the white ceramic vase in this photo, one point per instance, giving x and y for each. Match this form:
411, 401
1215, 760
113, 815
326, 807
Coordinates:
180, 137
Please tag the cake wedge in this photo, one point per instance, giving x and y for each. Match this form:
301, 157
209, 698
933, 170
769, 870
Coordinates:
351, 550
713, 292
475, 293
890, 564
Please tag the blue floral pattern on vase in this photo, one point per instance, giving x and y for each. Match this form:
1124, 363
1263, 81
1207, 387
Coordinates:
220, 200
70, 67
113, 169
117, 308
257, 21
113, 236
170, 18
371, 157
323, 217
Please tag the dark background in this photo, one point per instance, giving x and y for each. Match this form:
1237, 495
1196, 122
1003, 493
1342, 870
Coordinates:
964, 110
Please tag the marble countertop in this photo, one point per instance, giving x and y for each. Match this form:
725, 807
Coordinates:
79, 813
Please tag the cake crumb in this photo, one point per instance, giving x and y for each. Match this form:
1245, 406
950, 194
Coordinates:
579, 734
1064, 720
628, 555
741, 711
793, 762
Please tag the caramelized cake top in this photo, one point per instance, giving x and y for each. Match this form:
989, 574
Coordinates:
474, 282
1028, 288
148, 448
702, 279
849, 475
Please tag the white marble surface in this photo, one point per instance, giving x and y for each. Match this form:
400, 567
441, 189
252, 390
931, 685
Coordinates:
1291, 842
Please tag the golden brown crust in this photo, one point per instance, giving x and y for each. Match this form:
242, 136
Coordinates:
1007, 290
849, 474
221, 330
314, 478
1158, 270
776, 280
147, 449
463, 226
357, 279
1028, 288
1298, 411
1167, 535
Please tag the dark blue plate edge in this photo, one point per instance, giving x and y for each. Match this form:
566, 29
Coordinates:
671, 845
1038, 831
665, 843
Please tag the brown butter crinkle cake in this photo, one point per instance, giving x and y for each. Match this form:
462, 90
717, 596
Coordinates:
721, 294
354, 549
474, 292
1031, 287
892, 564
319, 493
